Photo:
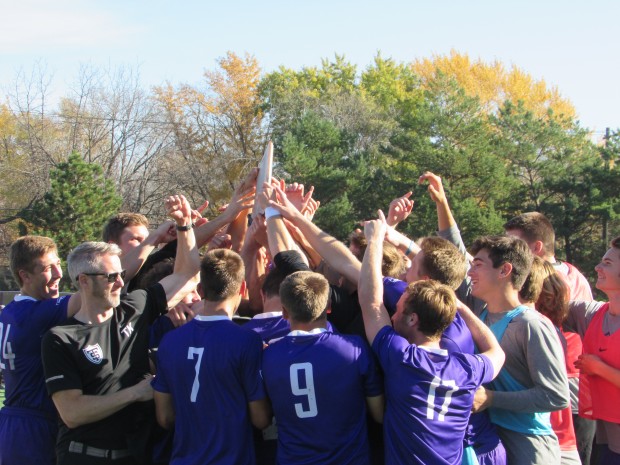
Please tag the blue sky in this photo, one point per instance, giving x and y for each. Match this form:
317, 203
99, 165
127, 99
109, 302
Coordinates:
571, 44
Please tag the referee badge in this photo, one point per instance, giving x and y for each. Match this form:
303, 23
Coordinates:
94, 353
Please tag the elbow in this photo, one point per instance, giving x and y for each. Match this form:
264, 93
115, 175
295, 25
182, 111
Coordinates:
166, 421
71, 419
261, 421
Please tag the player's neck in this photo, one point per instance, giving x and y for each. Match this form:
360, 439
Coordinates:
614, 303
422, 340
298, 326
91, 314
503, 301
222, 308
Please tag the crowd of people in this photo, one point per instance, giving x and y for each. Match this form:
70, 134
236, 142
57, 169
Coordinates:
280, 344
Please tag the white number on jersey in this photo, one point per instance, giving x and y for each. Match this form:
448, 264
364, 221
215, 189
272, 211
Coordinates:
190, 356
432, 392
7, 352
308, 391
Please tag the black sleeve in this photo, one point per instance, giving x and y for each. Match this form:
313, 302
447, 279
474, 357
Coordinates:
61, 372
290, 261
168, 251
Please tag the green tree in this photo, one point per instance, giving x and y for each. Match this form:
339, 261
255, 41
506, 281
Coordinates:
76, 206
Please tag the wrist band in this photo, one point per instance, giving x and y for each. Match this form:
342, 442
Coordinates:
409, 248
271, 212
187, 227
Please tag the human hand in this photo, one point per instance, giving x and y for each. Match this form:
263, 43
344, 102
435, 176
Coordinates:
435, 187
295, 193
220, 241
375, 229
284, 206
400, 209
197, 218
483, 399
310, 209
248, 184
179, 209
165, 232
258, 231
588, 364
143, 390
180, 314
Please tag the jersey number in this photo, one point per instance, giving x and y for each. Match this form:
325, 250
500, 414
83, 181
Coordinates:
308, 391
190, 356
7, 352
432, 394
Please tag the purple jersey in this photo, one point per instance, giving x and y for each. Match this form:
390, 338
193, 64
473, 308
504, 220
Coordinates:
429, 399
23, 323
271, 327
318, 383
29, 416
211, 368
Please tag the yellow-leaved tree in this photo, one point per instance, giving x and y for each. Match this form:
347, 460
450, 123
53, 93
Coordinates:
494, 84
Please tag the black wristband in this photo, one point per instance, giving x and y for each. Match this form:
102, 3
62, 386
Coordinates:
187, 227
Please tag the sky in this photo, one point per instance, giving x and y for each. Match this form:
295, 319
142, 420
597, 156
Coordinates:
572, 45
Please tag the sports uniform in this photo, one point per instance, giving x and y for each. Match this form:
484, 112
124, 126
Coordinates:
429, 399
211, 368
318, 382
101, 359
29, 415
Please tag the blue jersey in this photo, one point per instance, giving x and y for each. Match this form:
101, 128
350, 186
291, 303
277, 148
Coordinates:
272, 327
23, 323
211, 368
318, 383
29, 415
429, 397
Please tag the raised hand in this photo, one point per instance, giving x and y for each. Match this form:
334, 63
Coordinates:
179, 209
435, 187
400, 209
376, 229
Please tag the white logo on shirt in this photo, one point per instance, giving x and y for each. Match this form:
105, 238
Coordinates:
93, 353
127, 330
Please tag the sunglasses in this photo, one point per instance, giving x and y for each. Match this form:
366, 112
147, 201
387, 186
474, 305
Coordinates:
111, 277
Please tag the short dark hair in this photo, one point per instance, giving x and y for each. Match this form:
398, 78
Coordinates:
271, 283
443, 261
221, 274
615, 243
115, 226
25, 250
434, 303
157, 272
305, 294
534, 226
507, 249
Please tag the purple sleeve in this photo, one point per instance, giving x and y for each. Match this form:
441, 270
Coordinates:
373, 381
386, 343
252, 376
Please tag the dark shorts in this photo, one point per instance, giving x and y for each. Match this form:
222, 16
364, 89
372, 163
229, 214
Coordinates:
27, 437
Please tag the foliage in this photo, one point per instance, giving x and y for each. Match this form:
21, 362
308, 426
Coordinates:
75, 208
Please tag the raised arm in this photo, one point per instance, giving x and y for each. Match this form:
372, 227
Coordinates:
334, 252
187, 262
133, 260
483, 337
370, 285
400, 209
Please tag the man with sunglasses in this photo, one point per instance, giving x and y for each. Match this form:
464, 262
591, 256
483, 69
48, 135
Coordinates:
96, 364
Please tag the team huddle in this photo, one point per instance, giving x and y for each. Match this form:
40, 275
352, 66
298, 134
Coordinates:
281, 344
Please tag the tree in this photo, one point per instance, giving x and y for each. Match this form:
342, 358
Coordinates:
75, 208
494, 85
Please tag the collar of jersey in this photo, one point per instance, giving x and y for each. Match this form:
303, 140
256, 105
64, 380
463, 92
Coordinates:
261, 316
20, 297
211, 317
435, 351
299, 332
